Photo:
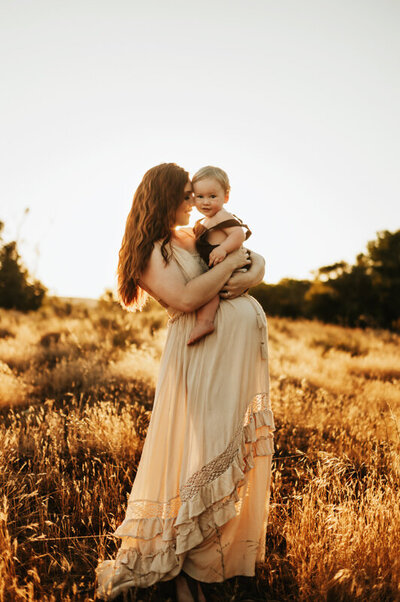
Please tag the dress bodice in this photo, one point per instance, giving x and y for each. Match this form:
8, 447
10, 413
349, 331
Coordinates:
190, 264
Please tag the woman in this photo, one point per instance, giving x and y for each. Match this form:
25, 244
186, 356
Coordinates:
199, 503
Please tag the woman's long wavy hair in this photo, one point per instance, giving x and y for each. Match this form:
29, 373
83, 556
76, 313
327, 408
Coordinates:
151, 218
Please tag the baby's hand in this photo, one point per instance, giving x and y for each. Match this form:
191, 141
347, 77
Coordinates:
217, 255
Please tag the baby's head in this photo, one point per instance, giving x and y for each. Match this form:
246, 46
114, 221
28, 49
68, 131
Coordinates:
211, 189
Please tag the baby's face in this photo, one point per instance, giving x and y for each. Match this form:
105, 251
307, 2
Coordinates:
209, 196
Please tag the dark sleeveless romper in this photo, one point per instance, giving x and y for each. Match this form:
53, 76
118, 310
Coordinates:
203, 247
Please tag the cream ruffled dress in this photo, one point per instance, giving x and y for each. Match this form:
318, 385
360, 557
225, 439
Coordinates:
200, 498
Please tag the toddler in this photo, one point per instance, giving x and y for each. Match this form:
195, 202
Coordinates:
217, 234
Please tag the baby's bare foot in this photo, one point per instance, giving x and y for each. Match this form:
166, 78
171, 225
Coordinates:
201, 329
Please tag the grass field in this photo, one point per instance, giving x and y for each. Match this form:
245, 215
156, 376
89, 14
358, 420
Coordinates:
76, 387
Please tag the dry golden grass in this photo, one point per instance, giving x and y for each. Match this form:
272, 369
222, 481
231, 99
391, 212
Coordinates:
76, 386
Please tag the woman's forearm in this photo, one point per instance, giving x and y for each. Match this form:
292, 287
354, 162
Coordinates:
240, 282
257, 269
165, 282
202, 289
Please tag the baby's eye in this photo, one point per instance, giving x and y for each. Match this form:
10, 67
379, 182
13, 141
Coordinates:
213, 196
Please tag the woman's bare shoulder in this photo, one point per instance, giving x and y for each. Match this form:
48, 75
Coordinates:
162, 279
156, 270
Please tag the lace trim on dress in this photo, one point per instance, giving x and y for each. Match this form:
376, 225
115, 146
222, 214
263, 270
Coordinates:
218, 465
139, 509
142, 509
212, 470
212, 505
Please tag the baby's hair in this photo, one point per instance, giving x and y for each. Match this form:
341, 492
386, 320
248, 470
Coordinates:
213, 172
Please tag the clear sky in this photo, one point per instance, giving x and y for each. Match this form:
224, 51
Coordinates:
297, 100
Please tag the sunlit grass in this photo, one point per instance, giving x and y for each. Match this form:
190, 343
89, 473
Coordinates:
76, 386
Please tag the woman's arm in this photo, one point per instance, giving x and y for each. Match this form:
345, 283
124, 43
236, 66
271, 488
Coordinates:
240, 282
165, 281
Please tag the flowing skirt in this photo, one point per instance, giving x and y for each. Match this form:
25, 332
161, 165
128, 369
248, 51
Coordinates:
200, 498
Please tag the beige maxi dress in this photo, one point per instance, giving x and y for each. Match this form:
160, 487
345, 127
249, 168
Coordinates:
199, 502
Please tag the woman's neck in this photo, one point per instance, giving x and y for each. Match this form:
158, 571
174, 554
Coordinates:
184, 237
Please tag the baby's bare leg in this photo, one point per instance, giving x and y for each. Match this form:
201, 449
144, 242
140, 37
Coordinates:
204, 321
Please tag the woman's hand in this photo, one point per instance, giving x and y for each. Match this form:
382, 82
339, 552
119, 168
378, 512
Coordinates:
240, 282
237, 259
236, 286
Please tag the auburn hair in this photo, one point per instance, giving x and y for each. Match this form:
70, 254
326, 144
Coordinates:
151, 218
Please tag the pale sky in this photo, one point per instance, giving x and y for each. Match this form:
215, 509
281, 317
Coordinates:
297, 100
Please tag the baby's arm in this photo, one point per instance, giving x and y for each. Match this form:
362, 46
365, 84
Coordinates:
234, 239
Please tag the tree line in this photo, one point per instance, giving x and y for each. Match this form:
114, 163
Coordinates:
364, 294
17, 289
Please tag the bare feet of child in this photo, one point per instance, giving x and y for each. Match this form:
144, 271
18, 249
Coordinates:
201, 329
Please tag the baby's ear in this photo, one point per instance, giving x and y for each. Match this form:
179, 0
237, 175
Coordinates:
226, 197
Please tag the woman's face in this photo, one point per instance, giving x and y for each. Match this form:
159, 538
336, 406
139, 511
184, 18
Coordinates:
183, 212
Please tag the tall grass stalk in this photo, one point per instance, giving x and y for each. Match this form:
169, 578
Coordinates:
76, 387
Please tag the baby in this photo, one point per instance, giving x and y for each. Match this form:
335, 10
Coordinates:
217, 234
